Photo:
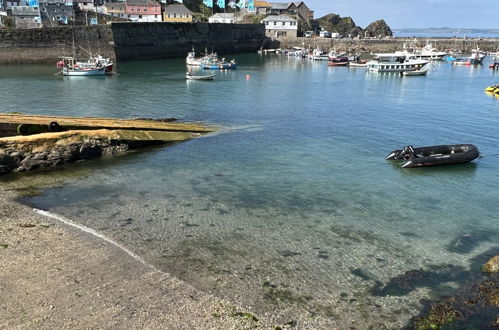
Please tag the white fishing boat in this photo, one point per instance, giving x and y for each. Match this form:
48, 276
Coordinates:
296, 52
395, 63
477, 56
192, 60
419, 72
319, 55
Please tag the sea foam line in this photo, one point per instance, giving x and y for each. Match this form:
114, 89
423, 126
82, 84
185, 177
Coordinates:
94, 233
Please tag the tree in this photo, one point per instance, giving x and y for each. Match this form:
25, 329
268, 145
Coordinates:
8, 22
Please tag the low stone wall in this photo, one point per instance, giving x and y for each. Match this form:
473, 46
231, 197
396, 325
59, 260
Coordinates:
46, 45
137, 41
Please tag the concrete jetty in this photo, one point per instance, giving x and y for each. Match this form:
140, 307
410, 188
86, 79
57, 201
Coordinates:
30, 142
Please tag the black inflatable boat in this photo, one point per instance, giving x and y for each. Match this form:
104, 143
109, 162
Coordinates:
435, 155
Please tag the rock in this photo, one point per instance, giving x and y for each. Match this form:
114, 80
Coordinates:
492, 266
438, 316
377, 29
342, 25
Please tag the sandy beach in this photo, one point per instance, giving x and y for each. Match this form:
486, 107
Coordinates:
55, 276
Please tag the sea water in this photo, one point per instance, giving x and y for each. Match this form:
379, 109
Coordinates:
290, 209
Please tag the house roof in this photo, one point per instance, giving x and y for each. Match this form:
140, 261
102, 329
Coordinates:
25, 11
223, 15
280, 5
115, 6
279, 18
177, 9
142, 3
286, 5
262, 4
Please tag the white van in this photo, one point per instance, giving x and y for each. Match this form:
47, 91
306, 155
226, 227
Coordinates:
325, 34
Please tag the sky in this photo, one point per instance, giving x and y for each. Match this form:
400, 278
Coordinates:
479, 14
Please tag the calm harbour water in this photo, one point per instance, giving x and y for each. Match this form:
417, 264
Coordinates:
291, 209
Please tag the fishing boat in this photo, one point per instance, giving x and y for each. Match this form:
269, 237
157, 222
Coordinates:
435, 155
477, 56
213, 63
318, 55
299, 52
418, 72
71, 67
190, 76
395, 62
192, 60
337, 59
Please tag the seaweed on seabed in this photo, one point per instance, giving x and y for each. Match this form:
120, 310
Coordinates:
475, 305
472, 307
435, 277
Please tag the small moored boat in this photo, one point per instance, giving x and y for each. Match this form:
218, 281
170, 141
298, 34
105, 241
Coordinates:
190, 76
419, 72
358, 64
435, 155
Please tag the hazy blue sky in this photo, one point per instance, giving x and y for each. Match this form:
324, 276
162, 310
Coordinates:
414, 14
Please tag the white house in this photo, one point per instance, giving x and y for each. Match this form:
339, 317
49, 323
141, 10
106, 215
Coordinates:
280, 26
227, 18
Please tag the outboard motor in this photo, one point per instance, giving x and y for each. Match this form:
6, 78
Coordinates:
407, 153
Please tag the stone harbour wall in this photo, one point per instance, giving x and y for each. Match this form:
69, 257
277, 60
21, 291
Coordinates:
138, 41
128, 41
46, 45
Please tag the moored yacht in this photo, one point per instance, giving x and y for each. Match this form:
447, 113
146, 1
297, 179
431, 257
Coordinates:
395, 62
429, 52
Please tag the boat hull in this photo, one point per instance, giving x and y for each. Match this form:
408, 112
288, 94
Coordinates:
90, 72
333, 63
435, 155
218, 66
207, 77
395, 67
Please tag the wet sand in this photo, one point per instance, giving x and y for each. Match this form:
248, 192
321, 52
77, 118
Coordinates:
55, 276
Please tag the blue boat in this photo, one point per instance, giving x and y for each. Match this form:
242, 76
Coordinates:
213, 63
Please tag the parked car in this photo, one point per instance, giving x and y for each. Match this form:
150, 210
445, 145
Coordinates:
309, 34
325, 34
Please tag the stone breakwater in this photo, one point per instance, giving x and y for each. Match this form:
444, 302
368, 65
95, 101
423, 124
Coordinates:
383, 45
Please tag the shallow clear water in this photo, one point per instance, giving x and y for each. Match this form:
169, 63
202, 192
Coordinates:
291, 209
